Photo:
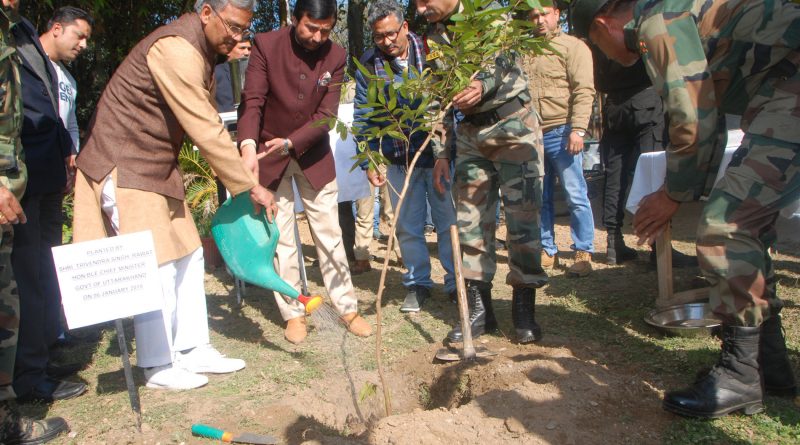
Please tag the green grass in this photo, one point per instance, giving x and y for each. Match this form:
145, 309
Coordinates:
603, 312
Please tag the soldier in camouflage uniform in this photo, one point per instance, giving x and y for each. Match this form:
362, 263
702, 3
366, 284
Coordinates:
14, 429
706, 58
498, 146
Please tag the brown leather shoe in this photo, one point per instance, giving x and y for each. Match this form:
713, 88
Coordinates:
549, 262
582, 266
360, 266
296, 330
357, 325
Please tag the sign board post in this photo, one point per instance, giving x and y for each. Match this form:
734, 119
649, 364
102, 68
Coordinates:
110, 279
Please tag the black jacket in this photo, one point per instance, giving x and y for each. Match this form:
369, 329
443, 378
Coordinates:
45, 140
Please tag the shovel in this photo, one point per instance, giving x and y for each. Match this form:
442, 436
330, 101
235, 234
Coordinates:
468, 352
226, 436
247, 243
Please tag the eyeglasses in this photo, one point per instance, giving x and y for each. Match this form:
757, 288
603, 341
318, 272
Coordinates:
233, 30
391, 35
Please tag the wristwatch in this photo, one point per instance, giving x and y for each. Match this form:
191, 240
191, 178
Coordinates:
285, 149
580, 133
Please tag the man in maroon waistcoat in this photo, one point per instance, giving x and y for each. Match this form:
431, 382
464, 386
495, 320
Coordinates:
293, 79
128, 178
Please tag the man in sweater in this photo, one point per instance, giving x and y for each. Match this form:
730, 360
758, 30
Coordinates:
562, 87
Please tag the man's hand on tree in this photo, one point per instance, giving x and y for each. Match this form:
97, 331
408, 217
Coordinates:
376, 178
470, 97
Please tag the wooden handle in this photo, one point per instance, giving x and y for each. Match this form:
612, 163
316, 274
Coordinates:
463, 309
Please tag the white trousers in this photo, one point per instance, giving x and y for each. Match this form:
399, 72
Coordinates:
183, 322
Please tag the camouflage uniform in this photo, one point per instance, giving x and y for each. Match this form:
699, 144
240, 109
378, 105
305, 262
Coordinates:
13, 176
708, 57
499, 146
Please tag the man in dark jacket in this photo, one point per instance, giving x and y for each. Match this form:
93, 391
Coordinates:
48, 147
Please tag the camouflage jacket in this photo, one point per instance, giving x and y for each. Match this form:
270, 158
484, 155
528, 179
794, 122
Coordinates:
502, 83
708, 57
13, 174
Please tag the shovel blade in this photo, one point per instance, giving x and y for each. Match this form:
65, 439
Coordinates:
454, 355
256, 439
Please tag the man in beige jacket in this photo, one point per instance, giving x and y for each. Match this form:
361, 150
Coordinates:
128, 179
562, 87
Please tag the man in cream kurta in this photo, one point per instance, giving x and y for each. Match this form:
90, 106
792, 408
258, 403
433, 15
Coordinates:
128, 179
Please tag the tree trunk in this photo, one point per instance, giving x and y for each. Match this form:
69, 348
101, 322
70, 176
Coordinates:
355, 28
285, 13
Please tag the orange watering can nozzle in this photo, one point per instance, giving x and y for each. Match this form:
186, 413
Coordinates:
311, 302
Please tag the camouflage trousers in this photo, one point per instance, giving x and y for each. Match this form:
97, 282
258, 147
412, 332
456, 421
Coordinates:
9, 315
737, 226
507, 156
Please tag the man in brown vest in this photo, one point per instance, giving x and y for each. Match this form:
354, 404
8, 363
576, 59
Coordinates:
277, 116
128, 179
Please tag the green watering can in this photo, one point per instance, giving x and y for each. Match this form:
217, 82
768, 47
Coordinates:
247, 243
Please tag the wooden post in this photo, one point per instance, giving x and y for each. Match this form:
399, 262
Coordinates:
664, 266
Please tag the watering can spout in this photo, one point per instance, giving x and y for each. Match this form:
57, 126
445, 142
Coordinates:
247, 242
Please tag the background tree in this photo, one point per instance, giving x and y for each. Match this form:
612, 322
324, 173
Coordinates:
119, 25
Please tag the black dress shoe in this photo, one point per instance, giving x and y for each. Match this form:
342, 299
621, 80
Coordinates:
50, 389
66, 370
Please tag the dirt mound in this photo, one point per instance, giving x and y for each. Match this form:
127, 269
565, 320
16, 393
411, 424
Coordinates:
532, 394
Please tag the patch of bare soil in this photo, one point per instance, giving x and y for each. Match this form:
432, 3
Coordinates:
526, 394
552, 393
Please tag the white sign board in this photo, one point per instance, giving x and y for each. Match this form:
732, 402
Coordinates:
109, 278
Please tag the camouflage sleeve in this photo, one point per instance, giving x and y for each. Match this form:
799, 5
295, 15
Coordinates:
683, 79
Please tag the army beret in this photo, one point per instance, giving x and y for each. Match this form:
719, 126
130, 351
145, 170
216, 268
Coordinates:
582, 13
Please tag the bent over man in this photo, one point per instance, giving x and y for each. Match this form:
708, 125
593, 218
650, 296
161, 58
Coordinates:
708, 57
129, 181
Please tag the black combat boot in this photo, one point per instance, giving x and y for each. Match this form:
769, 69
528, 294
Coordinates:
523, 311
617, 252
481, 312
733, 384
774, 359
18, 430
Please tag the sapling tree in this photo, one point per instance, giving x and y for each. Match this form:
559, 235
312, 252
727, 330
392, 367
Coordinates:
485, 37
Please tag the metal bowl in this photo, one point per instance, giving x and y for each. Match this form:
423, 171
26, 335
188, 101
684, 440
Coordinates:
684, 320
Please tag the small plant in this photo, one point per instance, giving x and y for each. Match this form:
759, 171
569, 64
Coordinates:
201, 187
67, 210
482, 36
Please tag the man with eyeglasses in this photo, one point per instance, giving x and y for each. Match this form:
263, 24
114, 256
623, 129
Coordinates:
128, 180
404, 51
293, 79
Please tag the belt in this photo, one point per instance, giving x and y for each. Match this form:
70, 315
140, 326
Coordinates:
491, 117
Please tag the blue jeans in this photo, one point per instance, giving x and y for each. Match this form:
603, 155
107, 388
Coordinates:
569, 168
411, 226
